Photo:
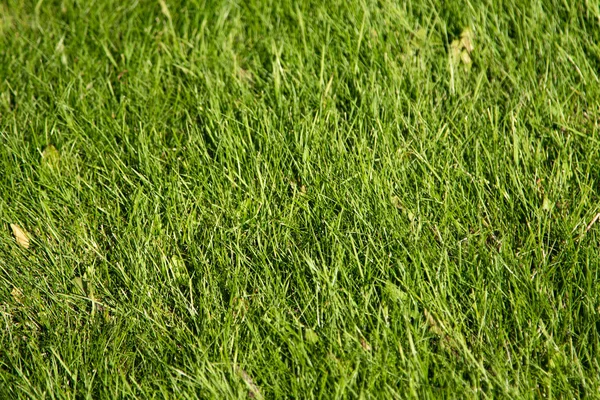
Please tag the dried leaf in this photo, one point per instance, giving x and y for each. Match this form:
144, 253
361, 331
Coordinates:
365, 345
50, 156
466, 39
546, 205
60, 50
78, 282
465, 58
447, 342
245, 75
297, 188
60, 46
395, 293
455, 50
17, 295
460, 50
311, 336
421, 35
21, 236
254, 390
396, 202
433, 324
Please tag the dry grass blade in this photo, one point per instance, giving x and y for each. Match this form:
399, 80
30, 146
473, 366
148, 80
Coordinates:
164, 9
594, 220
20, 235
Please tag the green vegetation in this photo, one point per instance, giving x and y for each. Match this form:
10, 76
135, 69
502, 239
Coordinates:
299, 199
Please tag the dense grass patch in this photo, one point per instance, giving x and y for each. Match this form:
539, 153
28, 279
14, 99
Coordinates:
334, 199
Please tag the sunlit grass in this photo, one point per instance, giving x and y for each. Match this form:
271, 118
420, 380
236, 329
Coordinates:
270, 199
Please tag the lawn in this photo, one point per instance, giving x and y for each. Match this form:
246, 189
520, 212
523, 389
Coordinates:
299, 199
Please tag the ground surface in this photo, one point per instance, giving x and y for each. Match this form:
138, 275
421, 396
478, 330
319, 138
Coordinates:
333, 199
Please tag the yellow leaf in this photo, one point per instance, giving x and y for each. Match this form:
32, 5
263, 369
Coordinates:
50, 156
395, 293
546, 205
465, 58
466, 39
396, 202
17, 294
21, 236
455, 52
245, 75
78, 282
311, 336
421, 34
460, 50
456, 47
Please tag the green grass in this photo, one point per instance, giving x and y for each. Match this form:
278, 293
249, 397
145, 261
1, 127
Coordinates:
299, 199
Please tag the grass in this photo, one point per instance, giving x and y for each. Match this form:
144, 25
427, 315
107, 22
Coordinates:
299, 199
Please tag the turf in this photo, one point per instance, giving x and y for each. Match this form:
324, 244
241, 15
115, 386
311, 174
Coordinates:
299, 199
